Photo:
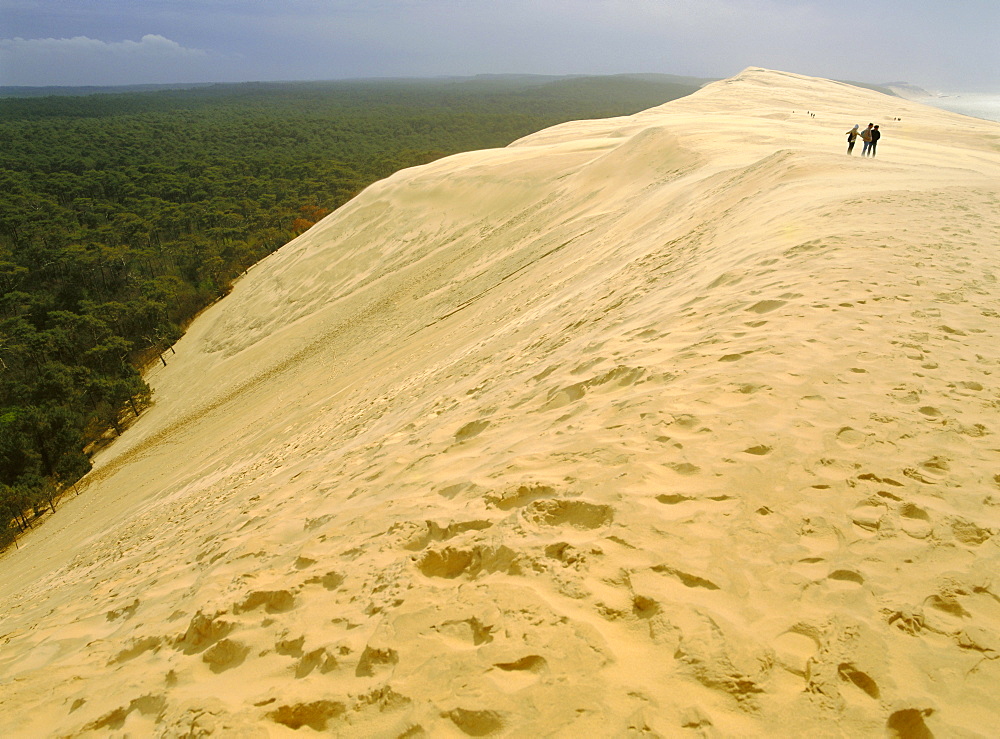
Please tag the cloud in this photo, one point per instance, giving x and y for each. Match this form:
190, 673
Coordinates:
82, 60
923, 41
558, 36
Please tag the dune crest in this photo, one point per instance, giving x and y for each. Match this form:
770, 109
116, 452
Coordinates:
681, 421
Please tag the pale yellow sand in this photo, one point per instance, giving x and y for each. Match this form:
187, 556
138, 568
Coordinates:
684, 422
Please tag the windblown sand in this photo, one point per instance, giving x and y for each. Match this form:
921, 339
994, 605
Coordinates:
683, 422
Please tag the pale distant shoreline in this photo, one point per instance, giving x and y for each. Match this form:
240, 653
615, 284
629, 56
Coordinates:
976, 104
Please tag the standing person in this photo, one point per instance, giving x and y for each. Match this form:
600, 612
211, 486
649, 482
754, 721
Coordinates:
851, 136
875, 137
866, 136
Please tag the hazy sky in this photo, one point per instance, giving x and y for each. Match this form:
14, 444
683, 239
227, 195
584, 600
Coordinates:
950, 45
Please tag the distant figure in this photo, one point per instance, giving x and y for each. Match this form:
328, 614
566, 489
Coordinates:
875, 137
851, 136
866, 136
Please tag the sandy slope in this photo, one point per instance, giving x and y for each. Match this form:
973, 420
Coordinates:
680, 422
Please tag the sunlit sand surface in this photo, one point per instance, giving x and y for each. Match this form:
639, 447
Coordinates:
682, 422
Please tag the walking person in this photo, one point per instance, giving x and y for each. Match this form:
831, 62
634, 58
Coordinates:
875, 137
852, 135
866, 136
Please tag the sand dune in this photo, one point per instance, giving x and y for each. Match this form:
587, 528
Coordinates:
683, 422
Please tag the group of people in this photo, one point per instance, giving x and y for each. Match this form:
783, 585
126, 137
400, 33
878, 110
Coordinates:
870, 136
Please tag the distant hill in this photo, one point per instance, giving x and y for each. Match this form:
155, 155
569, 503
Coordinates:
13, 91
484, 82
488, 81
908, 91
884, 89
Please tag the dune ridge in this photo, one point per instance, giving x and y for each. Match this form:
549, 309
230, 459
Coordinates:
678, 422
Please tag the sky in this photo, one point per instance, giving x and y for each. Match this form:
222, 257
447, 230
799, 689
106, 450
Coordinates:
940, 45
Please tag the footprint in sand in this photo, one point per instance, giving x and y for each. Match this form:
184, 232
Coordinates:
850, 437
520, 673
849, 673
867, 514
518, 496
734, 357
149, 706
766, 306
795, 647
673, 499
330, 581
317, 658
125, 612
421, 536
467, 631
847, 576
619, 376
375, 659
273, 601
686, 578
476, 722
315, 715
202, 632
531, 663
451, 562
225, 655
684, 507
909, 724
967, 532
136, 647
683, 468
915, 521
564, 396
471, 430
576, 513
290, 647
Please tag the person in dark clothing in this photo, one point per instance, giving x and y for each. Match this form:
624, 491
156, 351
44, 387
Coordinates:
875, 137
852, 136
